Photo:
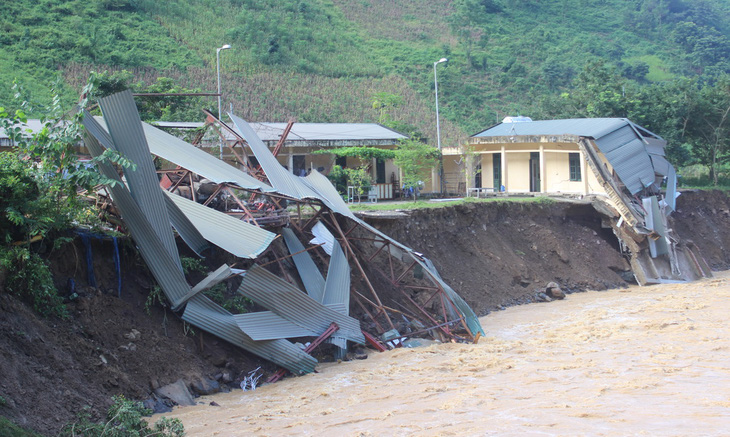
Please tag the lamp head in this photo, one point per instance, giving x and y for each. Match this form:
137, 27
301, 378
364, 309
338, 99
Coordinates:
441, 60
225, 46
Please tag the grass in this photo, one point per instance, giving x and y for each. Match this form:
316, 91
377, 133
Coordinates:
9, 429
420, 204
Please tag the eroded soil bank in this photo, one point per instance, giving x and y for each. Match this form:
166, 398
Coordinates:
495, 255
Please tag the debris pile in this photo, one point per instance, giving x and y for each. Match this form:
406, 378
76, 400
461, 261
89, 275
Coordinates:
211, 203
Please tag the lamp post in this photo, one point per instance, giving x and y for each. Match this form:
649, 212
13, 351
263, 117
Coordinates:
438, 126
218, 69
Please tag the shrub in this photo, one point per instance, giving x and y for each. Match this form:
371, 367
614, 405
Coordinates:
124, 419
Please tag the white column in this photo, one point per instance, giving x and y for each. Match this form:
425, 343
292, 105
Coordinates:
503, 161
543, 174
583, 173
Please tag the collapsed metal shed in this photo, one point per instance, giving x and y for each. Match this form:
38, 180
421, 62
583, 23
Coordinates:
150, 210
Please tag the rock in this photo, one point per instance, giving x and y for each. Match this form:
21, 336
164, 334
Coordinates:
177, 392
205, 386
542, 297
133, 335
214, 404
226, 377
553, 290
157, 405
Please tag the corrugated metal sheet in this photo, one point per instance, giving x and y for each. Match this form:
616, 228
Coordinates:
213, 278
630, 160
166, 270
327, 132
277, 295
311, 277
125, 128
206, 315
185, 228
280, 178
471, 319
191, 158
586, 127
235, 236
671, 196
327, 193
267, 325
323, 236
337, 287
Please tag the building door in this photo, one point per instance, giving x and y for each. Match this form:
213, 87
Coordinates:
497, 171
300, 165
478, 176
379, 171
535, 172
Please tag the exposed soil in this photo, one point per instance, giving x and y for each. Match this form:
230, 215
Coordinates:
501, 254
495, 255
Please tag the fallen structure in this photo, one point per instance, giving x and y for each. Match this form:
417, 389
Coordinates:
310, 221
618, 164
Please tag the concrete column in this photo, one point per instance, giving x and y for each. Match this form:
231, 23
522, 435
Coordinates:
583, 173
291, 161
503, 159
543, 173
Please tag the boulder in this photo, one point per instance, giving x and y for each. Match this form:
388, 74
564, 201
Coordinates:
553, 290
177, 392
205, 386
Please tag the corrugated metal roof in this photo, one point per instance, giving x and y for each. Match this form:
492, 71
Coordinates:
198, 161
235, 236
206, 315
271, 132
471, 319
280, 178
326, 131
188, 232
585, 127
213, 278
323, 236
267, 325
166, 270
327, 193
279, 296
629, 158
311, 277
125, 128
337, 287
189, 157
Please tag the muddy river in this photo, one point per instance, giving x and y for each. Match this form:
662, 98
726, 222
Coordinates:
642, 361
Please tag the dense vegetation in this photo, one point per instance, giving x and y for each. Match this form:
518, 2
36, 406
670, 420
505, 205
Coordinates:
324, 60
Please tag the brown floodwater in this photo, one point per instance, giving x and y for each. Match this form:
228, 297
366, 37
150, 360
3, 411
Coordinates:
651, 361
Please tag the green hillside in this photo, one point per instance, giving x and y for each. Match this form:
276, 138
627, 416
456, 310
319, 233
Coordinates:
323, 60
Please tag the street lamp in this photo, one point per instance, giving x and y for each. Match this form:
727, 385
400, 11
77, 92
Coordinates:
218, 69
438, 126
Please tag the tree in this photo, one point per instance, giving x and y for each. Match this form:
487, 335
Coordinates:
383, 102
708, 129
358, 176
415, 160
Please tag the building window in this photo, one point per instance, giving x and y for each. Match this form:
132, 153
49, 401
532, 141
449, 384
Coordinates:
574, 159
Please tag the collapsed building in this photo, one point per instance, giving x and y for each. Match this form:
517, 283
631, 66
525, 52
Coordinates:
313, 267
620, 166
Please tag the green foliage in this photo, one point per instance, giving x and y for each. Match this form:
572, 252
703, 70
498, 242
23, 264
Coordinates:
9, 429
29, 277
366, 154
415, 160
124, 419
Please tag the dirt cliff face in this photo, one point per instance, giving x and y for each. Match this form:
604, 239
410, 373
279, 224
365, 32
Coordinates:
499, 254
704, 218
